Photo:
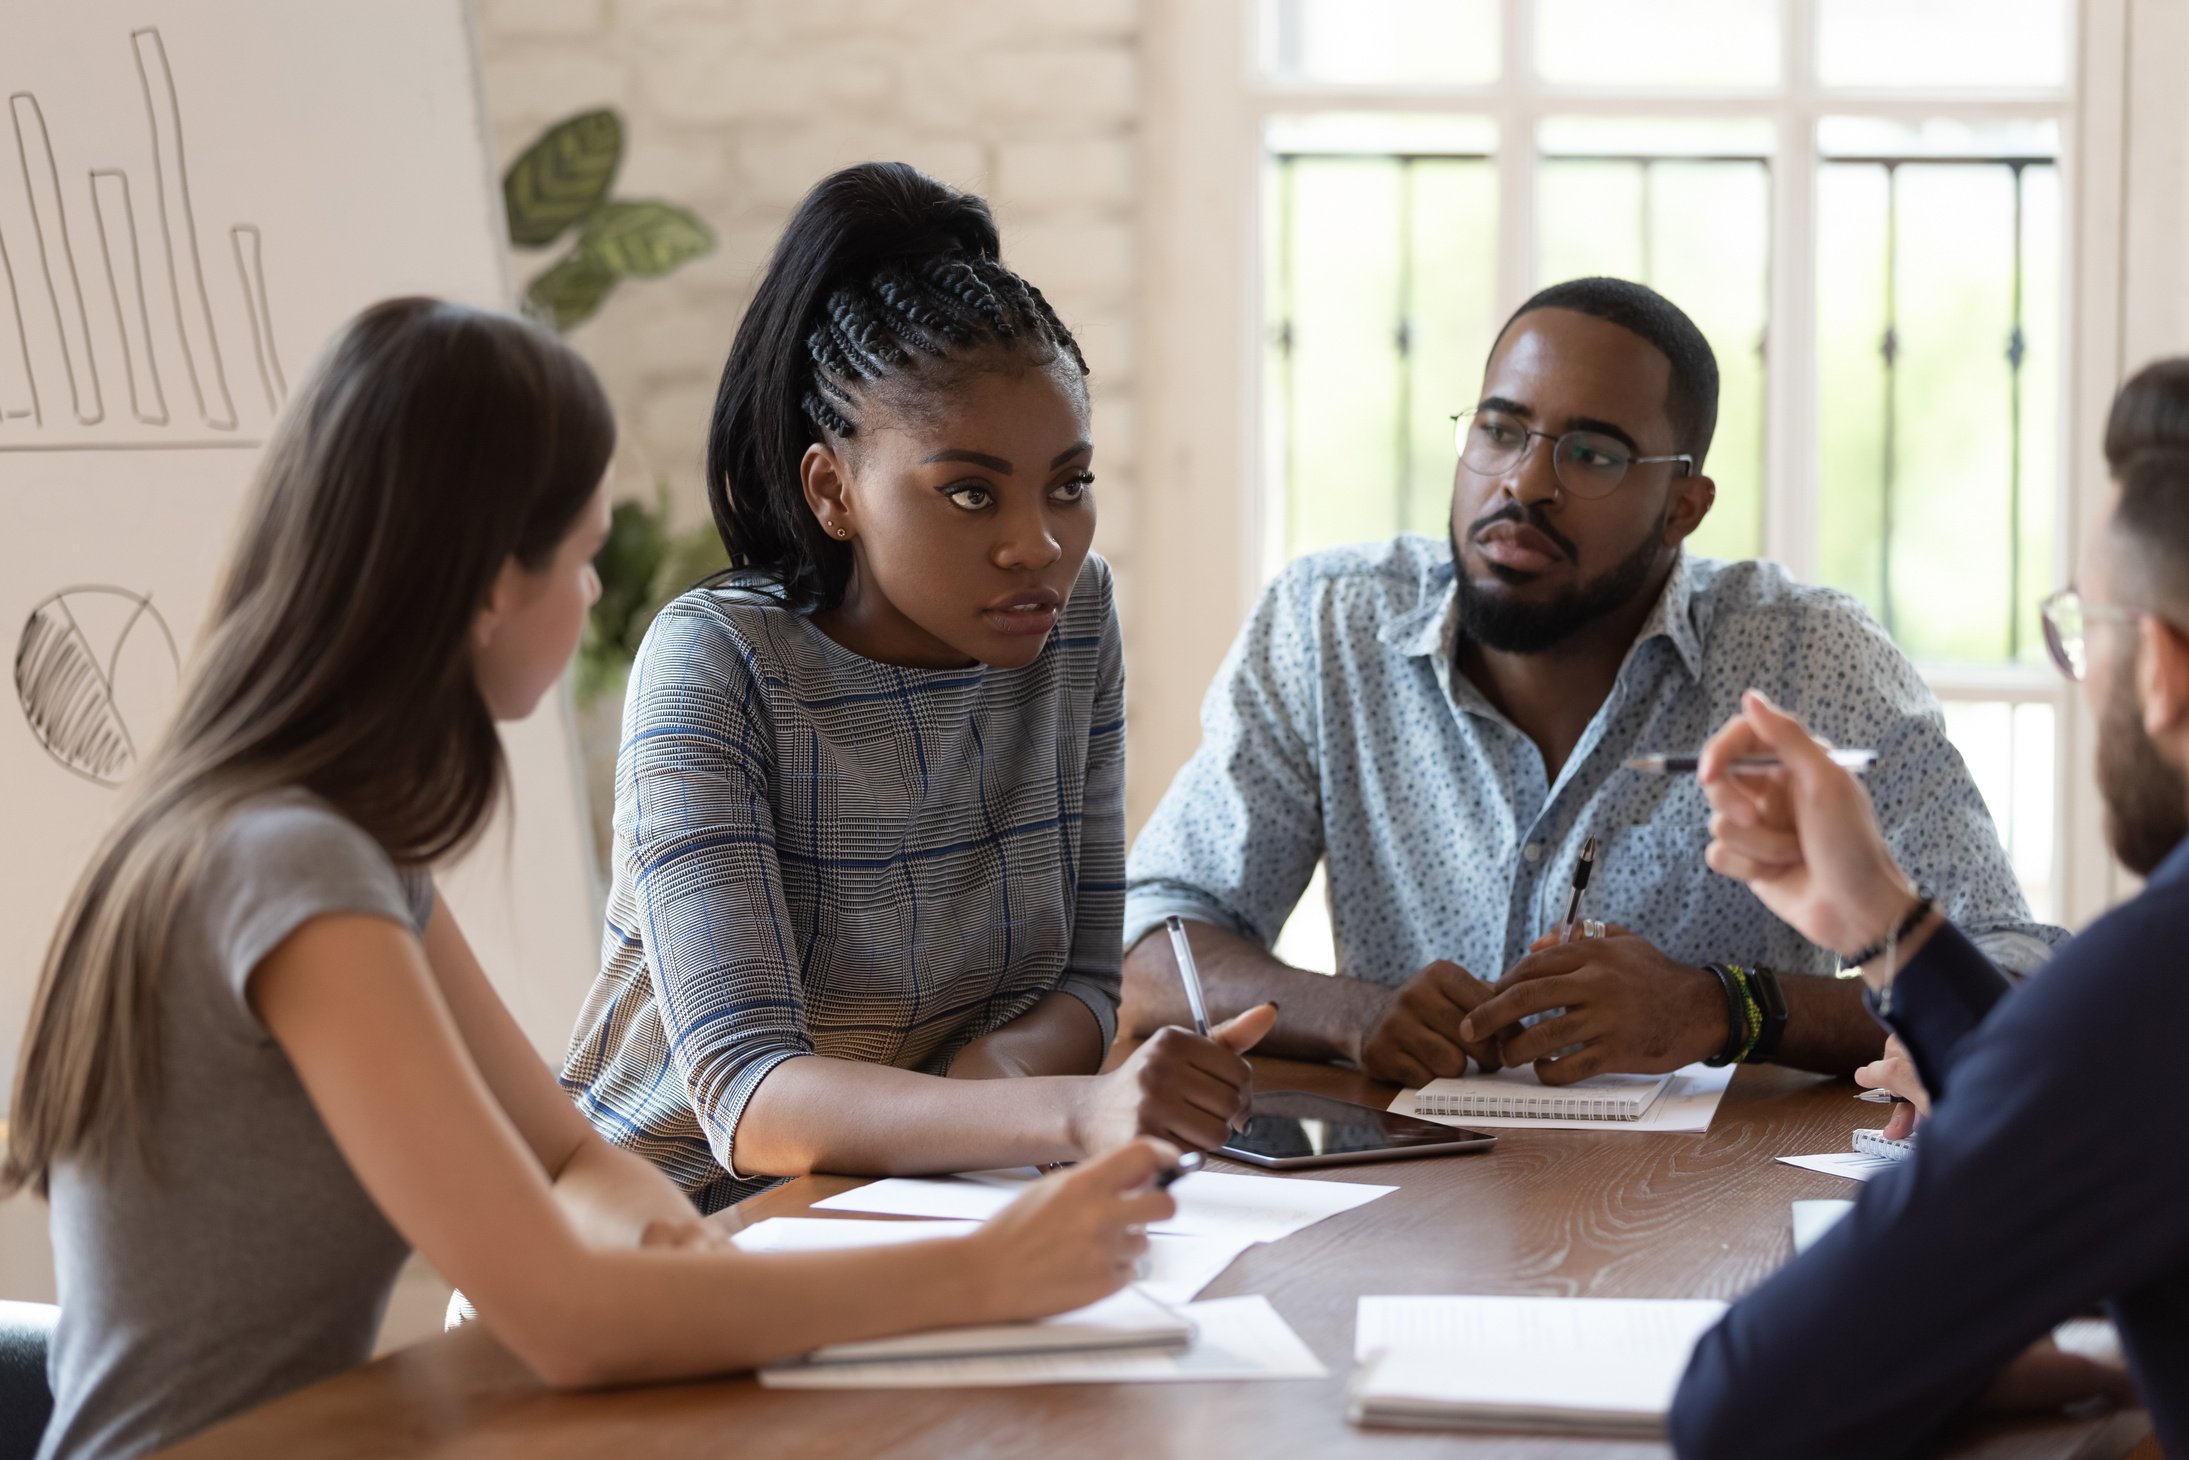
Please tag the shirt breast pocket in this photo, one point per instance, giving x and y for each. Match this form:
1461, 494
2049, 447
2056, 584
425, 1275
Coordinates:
1652, 879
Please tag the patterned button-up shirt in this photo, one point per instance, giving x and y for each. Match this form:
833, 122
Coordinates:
1338, 730
816, 853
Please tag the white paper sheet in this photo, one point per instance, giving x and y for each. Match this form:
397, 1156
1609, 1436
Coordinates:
1210, 1203
1177, 1267
1686, 1107
833, 1234
1434, 1359
1235, 1338
1533, 1325
1126, 1320
1851, 1164
1812, 1219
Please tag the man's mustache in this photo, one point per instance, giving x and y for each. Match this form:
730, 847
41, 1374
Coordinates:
1526, 515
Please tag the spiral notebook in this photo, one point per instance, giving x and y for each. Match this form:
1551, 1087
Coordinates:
1519, 1094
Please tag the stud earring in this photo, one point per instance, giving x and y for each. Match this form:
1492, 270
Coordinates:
843, 532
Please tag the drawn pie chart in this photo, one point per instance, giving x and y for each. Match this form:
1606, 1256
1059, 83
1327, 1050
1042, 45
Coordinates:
95, 672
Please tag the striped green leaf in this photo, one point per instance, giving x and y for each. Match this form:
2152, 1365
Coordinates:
643, 240
567, 293
562, 178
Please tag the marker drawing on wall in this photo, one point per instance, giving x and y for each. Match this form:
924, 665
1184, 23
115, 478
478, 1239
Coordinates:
79, 349
95, 669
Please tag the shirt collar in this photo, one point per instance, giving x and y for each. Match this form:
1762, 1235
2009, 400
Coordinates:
1674, 618
1433, 626
1426, 628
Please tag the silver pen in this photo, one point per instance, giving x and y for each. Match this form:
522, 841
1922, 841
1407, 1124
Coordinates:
1189, 975
1857, 761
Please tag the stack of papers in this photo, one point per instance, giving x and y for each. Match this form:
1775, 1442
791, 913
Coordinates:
1131, 1337
1234, 1338
1124, 1320
1597, 1366
1177, 1267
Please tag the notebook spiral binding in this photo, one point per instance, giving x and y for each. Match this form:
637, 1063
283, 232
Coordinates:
1534, 1107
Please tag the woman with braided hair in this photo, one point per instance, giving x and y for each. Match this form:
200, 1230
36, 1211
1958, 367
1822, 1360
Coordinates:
869, 827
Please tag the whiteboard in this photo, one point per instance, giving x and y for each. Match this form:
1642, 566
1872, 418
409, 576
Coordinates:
193, 198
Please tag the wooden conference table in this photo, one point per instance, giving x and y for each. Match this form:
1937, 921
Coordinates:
1572, 1213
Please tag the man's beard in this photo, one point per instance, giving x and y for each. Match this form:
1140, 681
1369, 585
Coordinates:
1498, 622
2146, 799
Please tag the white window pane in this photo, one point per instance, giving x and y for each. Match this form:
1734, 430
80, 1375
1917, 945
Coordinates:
1937, 406
1380, 269
1656, 136
1620, 44
1381, 134
2009, 752
1974, 44
1682, 205
1386, 42
1339, 268
1938, 137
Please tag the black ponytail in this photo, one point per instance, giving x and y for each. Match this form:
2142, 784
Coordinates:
881, 265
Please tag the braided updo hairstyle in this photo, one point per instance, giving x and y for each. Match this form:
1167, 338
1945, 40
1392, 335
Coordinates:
886, 287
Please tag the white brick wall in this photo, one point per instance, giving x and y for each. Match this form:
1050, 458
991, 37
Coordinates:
735, 107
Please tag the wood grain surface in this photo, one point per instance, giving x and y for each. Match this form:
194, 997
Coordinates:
1569, 1213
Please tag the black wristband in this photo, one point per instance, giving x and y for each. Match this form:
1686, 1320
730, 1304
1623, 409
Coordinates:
1736, 1017
1876, 950
1772, 999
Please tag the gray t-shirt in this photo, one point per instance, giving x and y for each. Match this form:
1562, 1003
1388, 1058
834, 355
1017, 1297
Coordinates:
247, 1261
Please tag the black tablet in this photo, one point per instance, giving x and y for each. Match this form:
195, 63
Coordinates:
1292, 1128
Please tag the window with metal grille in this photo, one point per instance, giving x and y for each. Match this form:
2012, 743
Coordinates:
1859, 202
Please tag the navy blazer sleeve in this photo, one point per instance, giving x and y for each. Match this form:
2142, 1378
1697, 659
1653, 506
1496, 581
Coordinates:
1945, 991
2048, 1179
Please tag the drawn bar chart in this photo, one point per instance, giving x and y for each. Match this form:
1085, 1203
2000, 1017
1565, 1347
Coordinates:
116, 309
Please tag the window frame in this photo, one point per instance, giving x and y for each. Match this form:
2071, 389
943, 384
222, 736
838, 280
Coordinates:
1210, 101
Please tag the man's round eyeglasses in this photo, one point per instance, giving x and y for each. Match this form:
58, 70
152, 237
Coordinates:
1586, 463
2067, 617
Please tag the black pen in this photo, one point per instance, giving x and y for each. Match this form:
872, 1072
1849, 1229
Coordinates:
1581, 870
1188, 1163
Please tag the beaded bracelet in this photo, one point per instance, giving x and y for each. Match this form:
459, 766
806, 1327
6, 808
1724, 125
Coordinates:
1737, 1035
1900, 930
1751, 1009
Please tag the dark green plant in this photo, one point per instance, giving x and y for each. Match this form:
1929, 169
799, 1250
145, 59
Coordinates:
561, 182
642, 566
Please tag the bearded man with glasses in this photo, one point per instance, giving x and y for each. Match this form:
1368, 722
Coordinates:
1445, 723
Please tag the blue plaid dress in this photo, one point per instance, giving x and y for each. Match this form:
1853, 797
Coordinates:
819, 854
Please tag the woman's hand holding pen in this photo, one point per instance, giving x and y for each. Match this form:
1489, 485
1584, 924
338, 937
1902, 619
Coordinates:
1803, 836
1178, 1086
1073, 1237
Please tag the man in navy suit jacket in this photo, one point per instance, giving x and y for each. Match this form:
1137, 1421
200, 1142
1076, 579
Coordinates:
2053, 1174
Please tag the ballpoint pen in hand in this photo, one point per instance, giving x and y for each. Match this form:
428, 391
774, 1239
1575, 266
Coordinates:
1857, 761
1189, 975
1581, 870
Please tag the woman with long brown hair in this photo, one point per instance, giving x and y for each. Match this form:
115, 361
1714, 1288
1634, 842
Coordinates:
263, 1063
